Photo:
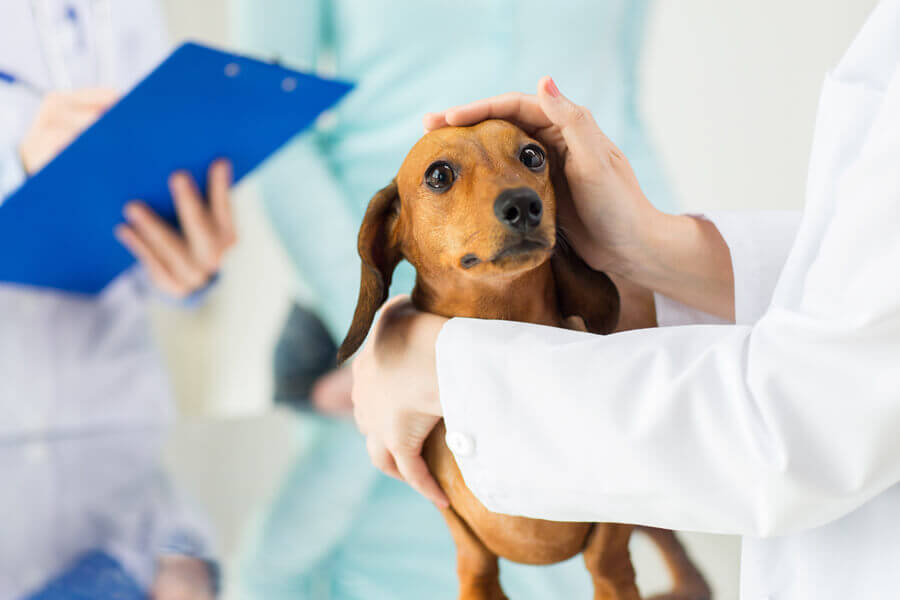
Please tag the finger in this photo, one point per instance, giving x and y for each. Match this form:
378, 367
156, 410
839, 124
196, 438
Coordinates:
98, 97
577, 125
166, 244
196, 221
394, 310
522, 109
158, 272
358, 414
415, 472
74, 119
382, 458
218, 183
432, 121
398, 301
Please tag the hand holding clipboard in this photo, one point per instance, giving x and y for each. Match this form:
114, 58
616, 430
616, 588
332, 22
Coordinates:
198, 105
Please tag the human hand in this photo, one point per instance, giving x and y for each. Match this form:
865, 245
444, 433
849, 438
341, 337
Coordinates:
609, 221
330, 393
179, 264
61, 117
182, 578
609, 218
395, 393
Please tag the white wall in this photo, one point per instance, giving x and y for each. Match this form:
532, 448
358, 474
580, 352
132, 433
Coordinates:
729, 94
730, 91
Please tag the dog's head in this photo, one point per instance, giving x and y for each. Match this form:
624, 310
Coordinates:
468, 202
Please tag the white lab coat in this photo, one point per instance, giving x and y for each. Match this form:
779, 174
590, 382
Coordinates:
782, 428
73, 367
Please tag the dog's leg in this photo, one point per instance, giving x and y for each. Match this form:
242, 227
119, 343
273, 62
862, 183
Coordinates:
609, 562
476, 566
687, 581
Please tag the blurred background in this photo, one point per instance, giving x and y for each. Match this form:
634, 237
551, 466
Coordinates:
728, 92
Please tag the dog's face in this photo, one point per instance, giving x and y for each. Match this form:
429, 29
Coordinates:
476, 202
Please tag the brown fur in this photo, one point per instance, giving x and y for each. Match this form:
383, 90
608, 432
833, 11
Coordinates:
547, 284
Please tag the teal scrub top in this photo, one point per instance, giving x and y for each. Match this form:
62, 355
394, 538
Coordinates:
338, 529
408, 58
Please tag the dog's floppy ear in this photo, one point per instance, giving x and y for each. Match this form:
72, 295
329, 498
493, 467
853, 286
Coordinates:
584, 292
379, 250
580, 290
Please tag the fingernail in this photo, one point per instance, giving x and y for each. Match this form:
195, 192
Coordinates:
551, 88
224, 165
177, 179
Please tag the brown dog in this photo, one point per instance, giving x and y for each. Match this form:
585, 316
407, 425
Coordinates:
474, 210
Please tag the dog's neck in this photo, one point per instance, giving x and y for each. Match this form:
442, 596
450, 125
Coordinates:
529, 297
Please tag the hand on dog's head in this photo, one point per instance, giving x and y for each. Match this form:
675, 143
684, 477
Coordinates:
467, 202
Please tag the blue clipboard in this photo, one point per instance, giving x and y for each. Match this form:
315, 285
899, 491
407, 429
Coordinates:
200, 104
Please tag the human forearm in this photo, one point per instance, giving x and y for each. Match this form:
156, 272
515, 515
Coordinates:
724, 264
639, 427
790, 423
686, 259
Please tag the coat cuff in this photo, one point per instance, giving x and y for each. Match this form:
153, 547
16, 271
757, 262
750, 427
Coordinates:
759, 243
452, 360
670, 313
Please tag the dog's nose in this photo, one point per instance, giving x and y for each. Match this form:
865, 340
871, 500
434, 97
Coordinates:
520, 209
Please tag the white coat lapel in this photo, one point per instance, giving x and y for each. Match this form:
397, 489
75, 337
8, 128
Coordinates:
850, 100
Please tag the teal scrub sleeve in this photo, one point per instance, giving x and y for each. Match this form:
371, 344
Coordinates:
306, 204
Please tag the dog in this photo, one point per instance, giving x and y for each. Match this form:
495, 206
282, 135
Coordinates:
473, 209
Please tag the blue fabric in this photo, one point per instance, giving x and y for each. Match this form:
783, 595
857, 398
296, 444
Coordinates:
94, 576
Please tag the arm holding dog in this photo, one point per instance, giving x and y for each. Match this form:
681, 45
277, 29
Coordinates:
701, 408
621, 210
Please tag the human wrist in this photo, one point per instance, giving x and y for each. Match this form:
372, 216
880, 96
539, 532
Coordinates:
686, 259
646, 259
666, 241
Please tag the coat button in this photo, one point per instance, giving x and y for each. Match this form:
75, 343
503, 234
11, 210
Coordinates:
460, 443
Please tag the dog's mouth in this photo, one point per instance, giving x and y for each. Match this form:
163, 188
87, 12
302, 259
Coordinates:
519, 248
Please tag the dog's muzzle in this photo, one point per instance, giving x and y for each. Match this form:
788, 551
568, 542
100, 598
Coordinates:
519, 209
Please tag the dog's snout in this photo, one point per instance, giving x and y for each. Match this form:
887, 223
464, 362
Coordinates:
520, 209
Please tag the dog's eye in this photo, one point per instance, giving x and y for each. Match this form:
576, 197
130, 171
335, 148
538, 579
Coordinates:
532, 157
439, 176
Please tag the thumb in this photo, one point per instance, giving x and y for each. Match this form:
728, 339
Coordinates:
576, 124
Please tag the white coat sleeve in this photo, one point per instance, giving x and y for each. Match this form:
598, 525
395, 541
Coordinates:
759, 243
759, 429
